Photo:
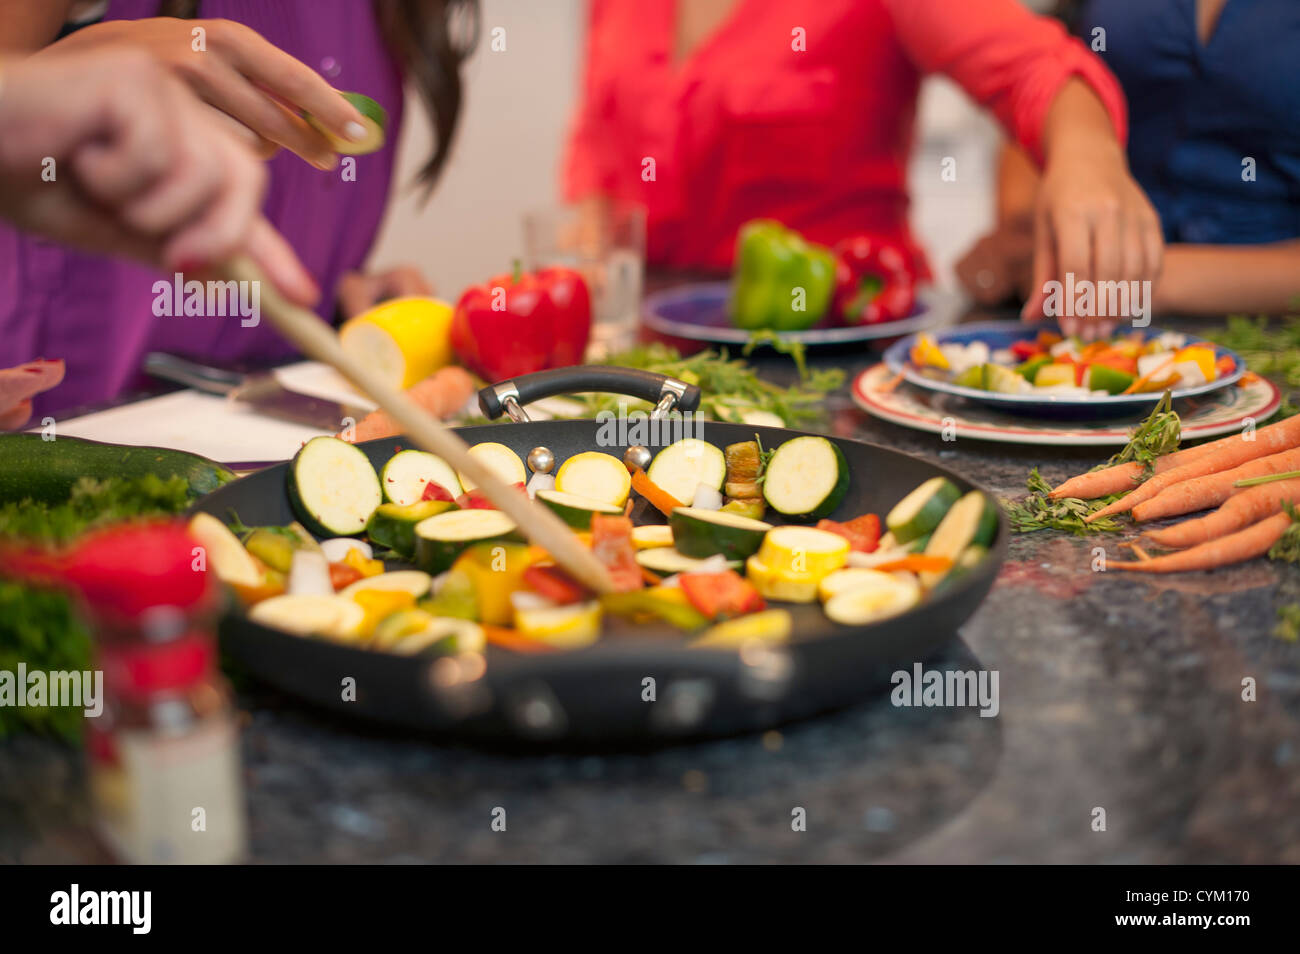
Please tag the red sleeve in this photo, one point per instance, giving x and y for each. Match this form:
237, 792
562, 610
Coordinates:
1006, 57
590, 160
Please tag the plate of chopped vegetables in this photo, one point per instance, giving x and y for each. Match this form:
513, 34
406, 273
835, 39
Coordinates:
762, 573
1034, 370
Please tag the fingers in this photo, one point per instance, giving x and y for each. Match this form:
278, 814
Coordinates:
269, 249
228, 90
1043, 269
291, 80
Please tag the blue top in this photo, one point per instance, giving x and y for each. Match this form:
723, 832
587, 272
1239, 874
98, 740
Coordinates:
1198, 111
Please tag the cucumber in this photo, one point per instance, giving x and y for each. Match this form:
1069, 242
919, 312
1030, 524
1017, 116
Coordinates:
702, 533
574, 510
920, 511
683, 465
806, 478
393, 525
406, 473
499, 459
439, 540
31, 466
415, 582
972, 520
373, 117
667, 561
333, 488
595, 475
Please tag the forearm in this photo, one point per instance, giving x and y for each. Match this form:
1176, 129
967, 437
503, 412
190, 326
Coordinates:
1216, 279
1077, 123
26, 27
1018, 181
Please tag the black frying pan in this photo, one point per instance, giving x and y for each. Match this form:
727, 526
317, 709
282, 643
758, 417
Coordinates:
599, 694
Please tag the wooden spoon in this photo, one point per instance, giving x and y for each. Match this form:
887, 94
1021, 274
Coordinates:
318, 340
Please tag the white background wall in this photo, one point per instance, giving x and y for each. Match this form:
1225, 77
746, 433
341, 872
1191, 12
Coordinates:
506, 157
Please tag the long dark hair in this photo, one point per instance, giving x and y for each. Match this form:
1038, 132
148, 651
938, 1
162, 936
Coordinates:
430, 39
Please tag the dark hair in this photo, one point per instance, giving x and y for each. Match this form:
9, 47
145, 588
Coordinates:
430, 39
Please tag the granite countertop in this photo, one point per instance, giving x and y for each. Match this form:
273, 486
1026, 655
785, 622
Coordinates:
1117, 692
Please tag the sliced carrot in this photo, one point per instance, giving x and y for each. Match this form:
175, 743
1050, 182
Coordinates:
891, 384
1268, 440
1237, 547
1201, 493
917, 563
1242, 509
659, 498
510, 639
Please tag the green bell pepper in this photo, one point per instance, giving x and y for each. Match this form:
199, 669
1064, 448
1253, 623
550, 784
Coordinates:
780, 280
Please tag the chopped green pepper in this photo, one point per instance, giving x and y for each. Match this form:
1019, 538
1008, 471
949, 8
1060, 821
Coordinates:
780, 280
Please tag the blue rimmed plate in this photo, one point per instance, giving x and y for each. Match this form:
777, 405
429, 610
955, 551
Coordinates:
697, 311
1003, 334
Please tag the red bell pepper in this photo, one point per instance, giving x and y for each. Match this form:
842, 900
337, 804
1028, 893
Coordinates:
554, 584
611, 542
524, 322
436, 491
721, 594
863, 533
875, 281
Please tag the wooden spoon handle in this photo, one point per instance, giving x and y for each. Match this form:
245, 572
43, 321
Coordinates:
317, 340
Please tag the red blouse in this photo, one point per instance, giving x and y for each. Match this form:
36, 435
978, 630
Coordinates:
804, 114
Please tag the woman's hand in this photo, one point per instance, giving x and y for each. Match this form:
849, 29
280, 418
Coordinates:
242, 76
107, 151
359, 292
1091, 220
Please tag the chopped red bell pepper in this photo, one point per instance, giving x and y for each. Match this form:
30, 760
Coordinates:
476, 500
436, 491
343, 574
863, 533
611, 542
875, 280
523, 322
724, 594
1024, 350
1225, 365
554, 584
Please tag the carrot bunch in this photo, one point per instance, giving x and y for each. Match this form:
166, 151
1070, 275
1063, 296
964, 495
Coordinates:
1252, 480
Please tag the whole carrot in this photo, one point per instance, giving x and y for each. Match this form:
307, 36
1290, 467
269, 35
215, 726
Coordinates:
1201, 493
442, 394
1119, 479
1241, 509
1237, 547
1268, 440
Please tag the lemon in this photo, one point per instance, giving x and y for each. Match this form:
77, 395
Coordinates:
405, 340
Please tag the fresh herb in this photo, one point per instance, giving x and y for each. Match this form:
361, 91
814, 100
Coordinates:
1268, 348
39, 628
1270, 478
92, 503
1157, 435
1287, 547
731, 386
1288, 626
1037, 511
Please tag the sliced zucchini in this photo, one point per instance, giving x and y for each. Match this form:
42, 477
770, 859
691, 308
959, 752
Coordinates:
333, 488
224, 554
885, 597
850, 578
702, 533
652, 535
412, 631
374, 118
393, 525
499, 459
683, 465
564, 627
575, 510
335, 617
415, 582
407, 472
596, 476
772, 626
774, 585
806, 478
667, 561
803, 552
920, 511
439, 540
972, 520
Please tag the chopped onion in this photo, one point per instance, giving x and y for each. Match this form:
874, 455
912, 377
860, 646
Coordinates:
309, 575
540, 482
336, 549
872, 560
707, 498
525, 600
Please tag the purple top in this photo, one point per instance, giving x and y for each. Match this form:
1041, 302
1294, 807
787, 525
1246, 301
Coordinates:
97, 313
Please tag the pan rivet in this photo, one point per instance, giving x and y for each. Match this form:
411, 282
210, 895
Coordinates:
541, 460
638, 455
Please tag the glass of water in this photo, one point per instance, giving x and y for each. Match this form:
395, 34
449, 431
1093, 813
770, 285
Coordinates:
605, 242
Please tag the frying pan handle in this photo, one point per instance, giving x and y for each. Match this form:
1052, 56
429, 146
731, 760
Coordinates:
508, 397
